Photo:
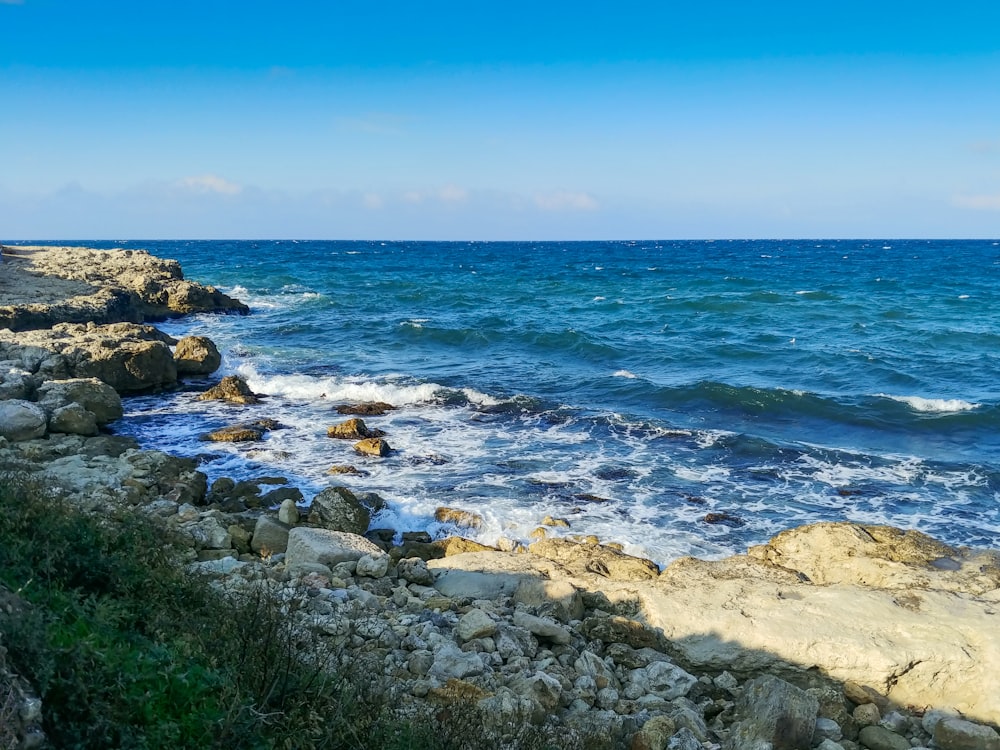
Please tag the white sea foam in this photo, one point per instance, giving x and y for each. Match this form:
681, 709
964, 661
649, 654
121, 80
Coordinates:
308, 387
625, 374
599, 299
932, 405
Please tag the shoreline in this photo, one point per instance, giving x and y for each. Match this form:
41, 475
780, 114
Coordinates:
823, 605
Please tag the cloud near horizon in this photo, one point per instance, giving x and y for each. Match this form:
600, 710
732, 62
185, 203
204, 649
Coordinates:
562, 200
210, 183
978, 202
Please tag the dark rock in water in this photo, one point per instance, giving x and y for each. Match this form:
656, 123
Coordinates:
695, 500
277, 496
344, 469
233, 389
353, 429
724, 519
417, 536
588, 498
368, 409
339, 509
382, 537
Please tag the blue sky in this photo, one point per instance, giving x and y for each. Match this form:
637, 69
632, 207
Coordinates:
514, 120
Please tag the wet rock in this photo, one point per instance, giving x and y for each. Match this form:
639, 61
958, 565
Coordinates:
232, 389
353, 429
234, 434
464, 518
196, 355
373, 447
344, 469
367, 409
555, 522
724, 519
338, 508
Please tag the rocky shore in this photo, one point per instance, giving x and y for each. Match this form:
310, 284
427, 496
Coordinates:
832, 635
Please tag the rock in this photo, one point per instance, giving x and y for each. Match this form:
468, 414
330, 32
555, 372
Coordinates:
662, 679
196, 355
234, 434
372, 566
232, 389
97, 397
617, 629
474, 624
73, 419
352, 429
880, 738
288, 513
957, 734
368, 409
867, 714
306, 545
21, 420
564, 597
542, 627
826, 729
456, 517
343, 469
541, 688
337, 508
555, 522
450, 662
209, 533
457, 545
773, 711
270, 536
373, 447
724, 519
683, 739
654, 734
414, 570
597, 559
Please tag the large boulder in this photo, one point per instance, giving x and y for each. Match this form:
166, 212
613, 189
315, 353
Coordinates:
22, 420
306, 545
338, 509
196, 355
73, 419
232, 389
775, 712
97, 397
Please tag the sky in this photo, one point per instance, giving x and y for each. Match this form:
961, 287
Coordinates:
326, 119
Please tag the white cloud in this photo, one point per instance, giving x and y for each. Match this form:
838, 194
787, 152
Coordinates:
453, 194
978, 202
373, 201
210, 183
562, 200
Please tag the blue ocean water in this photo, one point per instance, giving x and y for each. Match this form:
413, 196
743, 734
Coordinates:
631, 388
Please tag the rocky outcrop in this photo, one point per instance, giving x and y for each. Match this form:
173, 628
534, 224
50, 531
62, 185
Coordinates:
128, 357
353, 429
43, 286
377, 447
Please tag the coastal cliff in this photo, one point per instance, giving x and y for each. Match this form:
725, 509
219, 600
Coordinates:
831, 635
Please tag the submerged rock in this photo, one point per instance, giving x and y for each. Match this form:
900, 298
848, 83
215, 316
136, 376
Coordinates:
367, 409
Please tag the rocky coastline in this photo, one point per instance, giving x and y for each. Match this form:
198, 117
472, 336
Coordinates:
831, 635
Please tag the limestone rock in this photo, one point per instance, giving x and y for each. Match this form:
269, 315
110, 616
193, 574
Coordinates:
597, 559
196, 355
21, 420
457, 517
95, 396
353, 429
542, 627
662, 679
450, 662
232, 389
563, 597
373, 447
288, 513
776, 712
414, 570
306, 545
474, 624
270, 536
654, 734
234, 434
337, 508
372, 566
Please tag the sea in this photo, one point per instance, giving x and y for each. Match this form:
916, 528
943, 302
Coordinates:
677, 397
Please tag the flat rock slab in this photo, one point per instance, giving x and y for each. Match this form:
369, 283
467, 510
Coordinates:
326, 547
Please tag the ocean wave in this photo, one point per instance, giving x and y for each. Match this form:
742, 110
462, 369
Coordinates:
932, 405
333, 388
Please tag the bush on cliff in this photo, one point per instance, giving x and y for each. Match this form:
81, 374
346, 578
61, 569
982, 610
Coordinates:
128, 650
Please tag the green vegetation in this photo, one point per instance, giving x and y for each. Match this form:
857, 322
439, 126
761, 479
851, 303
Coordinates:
127, 650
